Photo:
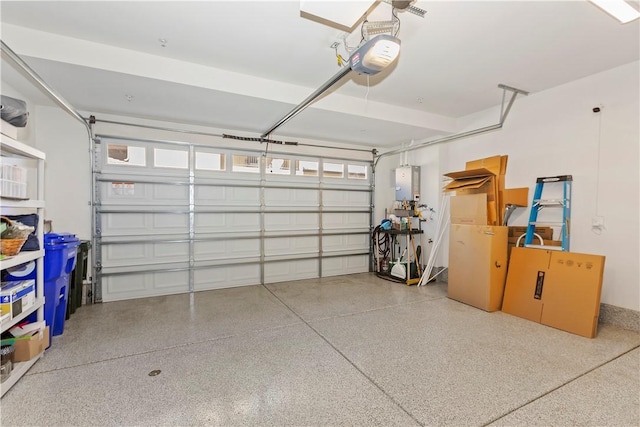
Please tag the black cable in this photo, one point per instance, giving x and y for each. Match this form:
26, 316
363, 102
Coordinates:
382, 240
395, 15
362, 30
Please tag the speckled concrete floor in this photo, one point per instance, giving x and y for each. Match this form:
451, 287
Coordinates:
350, 350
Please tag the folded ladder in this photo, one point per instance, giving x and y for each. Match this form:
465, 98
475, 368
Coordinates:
563, 204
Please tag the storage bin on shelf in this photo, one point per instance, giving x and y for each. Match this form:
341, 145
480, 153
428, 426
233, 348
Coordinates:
59, 261
6, 361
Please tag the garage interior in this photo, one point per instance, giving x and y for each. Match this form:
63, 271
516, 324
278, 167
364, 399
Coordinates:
324, 213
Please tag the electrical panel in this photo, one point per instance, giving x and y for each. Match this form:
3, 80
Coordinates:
408, 183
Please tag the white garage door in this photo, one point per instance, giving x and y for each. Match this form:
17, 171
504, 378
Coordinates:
176, 217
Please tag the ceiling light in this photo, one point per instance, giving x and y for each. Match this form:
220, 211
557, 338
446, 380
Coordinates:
375, 55
619, 9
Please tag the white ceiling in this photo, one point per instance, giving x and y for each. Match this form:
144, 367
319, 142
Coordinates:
242, 65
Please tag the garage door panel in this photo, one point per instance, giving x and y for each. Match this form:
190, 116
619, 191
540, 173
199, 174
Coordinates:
238, 248
210, 195
233, 196
123, 285
120, 287
342, 220
120, 255
123, 191
346, 242
128, 224
290, 197
175, 252
346, 198
287, 221
176, 223
226, 276
345, 265
291, 245
171, 280
119, 224
170, 193
139, 194
283, 271
220, 222
125, 254
244, 196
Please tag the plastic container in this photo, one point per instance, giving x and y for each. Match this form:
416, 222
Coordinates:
59, 261
6, 361
77, 278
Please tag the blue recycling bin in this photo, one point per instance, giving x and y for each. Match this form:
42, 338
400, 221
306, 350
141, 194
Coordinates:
60, 253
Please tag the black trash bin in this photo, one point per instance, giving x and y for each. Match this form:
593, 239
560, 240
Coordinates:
78, 275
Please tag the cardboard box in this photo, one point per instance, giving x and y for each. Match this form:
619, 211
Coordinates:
477, 181
16, 297
545, 232
27, 349
558, 289
515, 196
469, 209
477, 265
498, 166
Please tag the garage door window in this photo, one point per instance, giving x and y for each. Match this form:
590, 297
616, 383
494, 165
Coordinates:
333, 170
278, 166
357, 172
120, 154
210, 161
242, 163
306, 168
176, 159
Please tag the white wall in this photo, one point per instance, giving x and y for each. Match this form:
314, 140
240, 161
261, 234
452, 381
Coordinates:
428, 159
555, 132
67, 171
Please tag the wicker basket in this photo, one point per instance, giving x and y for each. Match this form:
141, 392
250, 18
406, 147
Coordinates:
11, 247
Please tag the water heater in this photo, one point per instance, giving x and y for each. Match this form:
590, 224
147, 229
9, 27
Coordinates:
408, 183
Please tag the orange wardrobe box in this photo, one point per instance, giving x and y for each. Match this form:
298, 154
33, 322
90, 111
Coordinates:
555, 288
477, 265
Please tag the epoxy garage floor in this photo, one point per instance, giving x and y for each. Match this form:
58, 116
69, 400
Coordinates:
349, 350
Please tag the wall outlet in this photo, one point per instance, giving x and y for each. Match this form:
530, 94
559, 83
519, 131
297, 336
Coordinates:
597, 222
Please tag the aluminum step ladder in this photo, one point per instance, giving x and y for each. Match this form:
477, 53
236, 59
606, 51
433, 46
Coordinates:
563, 204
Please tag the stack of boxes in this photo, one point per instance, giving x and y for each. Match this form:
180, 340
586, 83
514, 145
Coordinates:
554, 288
478, 241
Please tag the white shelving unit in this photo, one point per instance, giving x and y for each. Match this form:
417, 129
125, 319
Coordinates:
33, 160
